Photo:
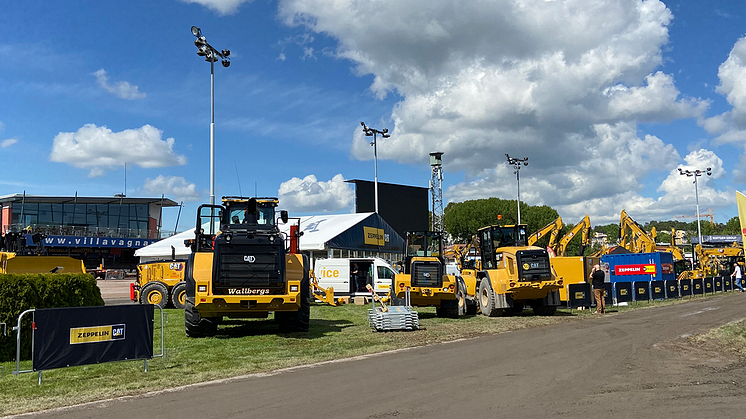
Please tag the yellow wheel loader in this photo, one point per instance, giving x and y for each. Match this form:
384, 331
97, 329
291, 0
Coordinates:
161, 283
424, 276
240, 268
513, 275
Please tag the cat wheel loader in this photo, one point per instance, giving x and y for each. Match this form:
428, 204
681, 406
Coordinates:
424, 276
240, 268
513, 275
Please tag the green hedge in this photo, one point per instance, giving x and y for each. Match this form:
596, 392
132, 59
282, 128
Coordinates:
20, 292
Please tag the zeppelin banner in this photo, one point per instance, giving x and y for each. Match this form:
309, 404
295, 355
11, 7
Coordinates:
648, 269
70, 336
741, 201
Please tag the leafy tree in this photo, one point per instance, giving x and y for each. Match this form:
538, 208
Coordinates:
463, 219
733, 226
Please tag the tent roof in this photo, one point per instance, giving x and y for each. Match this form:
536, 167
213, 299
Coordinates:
319, 229
319, 232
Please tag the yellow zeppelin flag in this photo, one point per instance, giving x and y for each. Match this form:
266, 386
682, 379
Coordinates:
741, 201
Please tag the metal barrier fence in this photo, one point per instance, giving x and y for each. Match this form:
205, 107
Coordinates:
17, 328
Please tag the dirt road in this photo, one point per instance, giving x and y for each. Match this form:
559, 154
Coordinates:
631, 365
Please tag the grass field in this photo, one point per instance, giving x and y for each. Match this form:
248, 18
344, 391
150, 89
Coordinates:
245, 347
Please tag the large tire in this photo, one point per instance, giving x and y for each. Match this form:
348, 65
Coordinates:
178, 295
487, 301
298, 321
542, 310
197, 326
155, 293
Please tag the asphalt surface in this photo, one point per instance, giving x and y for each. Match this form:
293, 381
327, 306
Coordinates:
630, 365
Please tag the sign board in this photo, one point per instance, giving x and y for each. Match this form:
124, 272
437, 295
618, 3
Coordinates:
71, 336
646, 269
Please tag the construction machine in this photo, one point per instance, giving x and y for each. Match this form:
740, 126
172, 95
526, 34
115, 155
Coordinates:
637, 241
553, 229
573, 269
583, 227
425, 278
513, 274
27, 255
160, 283
243, 269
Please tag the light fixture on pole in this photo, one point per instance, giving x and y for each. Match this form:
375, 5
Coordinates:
372, 132
696, 173
516, 163
211, 55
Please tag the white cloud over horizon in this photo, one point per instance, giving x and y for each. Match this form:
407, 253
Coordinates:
8, 142
311, 195
222, 7
120, 89
172, 186
99, 149
564, 82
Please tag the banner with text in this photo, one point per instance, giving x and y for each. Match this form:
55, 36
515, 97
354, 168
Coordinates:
70, 336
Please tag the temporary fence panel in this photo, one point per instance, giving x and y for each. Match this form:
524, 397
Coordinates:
727, 284
709, 285
623, 292
718, 284
71, 336
672, 288
608, 294
642, 290
698, 286
658, 290
685, 287
579, 295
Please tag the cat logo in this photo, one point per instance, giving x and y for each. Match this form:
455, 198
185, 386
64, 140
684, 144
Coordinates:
249, 258
96, 334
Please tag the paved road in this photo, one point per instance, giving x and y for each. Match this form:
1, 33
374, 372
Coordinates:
631, 365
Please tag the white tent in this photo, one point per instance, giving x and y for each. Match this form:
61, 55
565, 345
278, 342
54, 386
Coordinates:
321, 233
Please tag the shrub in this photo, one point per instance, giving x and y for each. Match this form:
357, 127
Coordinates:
20, 292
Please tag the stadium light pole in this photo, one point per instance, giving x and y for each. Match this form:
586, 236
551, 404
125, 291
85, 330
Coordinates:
372, 132
211, 55
696, 173
516, 163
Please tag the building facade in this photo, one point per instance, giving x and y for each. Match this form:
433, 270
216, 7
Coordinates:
98, 230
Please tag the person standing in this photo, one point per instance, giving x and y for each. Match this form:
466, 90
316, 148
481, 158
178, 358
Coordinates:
355, 275
597, 278
736, 275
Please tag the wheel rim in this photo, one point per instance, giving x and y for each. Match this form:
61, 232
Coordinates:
485, 299
154, 297
182, 297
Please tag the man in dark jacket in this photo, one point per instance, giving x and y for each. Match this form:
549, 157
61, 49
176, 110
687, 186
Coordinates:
597, 280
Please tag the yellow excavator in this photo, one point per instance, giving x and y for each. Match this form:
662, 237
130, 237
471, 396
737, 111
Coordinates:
573, 269
583, 227
553, 229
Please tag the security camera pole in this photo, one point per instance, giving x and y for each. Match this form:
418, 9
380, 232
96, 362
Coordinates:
516, 163
696, 173
372, 132
211, 54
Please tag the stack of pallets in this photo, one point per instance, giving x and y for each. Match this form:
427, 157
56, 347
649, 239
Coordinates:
393, 318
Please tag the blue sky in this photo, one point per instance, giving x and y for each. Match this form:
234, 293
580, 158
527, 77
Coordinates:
606, 98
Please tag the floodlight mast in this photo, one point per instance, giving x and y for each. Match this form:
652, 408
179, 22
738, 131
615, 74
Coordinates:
516, 163
211, 54
696, 173
372, 132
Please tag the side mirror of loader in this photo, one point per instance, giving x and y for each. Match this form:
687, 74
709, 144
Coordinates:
284, 216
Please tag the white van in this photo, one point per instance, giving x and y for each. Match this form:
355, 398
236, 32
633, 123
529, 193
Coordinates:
337, 273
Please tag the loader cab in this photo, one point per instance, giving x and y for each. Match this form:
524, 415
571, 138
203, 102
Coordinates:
249, 214
494, 237
424, 260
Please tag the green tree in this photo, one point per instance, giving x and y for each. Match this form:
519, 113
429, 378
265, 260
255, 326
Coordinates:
463, 219
733, 226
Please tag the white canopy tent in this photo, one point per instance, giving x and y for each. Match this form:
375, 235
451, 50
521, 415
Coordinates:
325, 236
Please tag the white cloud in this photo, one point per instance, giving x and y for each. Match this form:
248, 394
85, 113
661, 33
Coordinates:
7, 143
222, 7
310, 195
120, 89
564, 82
175, 186
100, 149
